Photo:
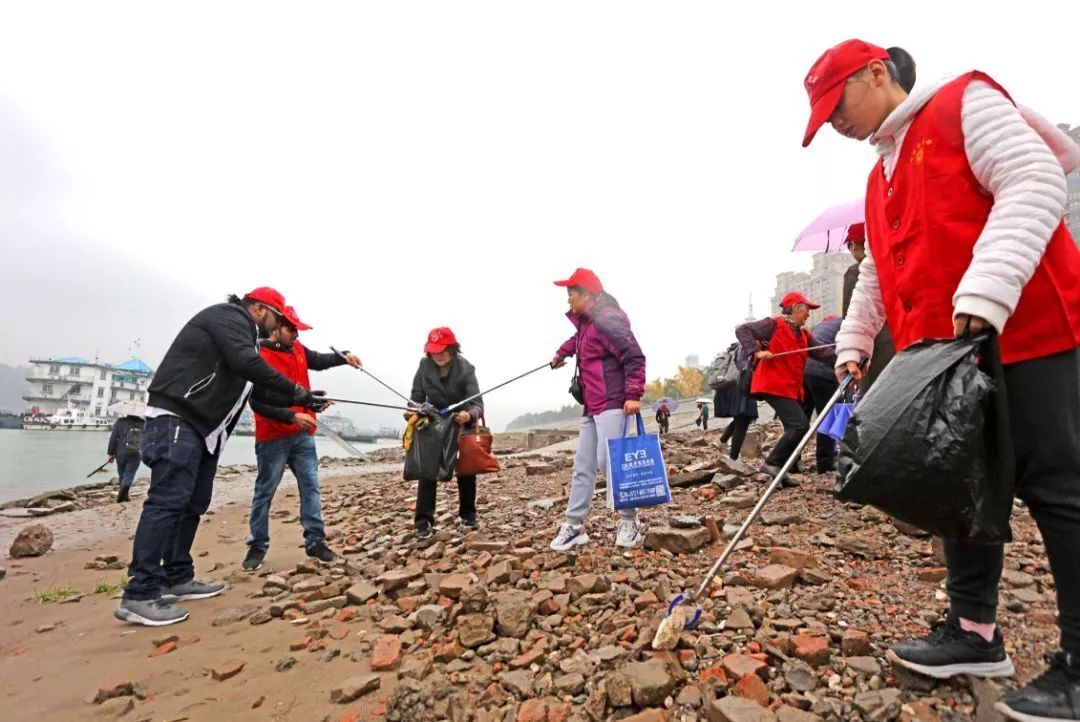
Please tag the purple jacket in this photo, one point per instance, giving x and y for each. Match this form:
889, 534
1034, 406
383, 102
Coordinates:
610, 361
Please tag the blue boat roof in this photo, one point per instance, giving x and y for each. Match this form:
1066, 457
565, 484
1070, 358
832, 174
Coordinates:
134, 364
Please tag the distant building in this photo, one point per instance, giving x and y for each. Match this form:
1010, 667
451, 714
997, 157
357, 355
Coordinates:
692, 362
1072, 209
823, 284
72, 381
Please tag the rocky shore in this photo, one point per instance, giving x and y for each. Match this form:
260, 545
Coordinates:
492, 625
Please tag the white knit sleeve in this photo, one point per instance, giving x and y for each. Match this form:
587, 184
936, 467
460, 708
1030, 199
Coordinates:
865, 316
1015, 165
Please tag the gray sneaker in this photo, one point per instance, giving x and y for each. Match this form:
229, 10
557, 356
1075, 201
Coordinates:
150, 612
193, 589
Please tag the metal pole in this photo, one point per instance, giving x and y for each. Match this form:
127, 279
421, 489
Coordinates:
377, 379
704, 586
450, 408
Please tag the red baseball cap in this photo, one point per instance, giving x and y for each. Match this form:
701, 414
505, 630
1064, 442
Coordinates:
825, 81
438, 339
292, 318
267, 296
830, 317
856, 233
790, 299
584, 278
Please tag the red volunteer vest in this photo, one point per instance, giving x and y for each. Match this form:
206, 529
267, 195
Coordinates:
292, 365
922, 228
782, 376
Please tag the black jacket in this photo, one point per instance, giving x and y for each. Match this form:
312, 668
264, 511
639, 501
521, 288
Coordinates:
204, 372
442, 391
279, 406
119, 434
851, 277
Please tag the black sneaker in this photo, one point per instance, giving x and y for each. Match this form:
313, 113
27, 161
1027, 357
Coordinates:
123, 495
424, 530
1054, 695
323, 553
253, 560
949, 651
826, 467
772, 470
469, 523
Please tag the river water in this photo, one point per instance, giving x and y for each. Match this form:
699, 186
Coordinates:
36, 461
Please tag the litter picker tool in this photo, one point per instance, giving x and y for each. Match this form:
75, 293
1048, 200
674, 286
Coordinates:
680, 614
413, 409
343, 443
459, 404
802, 350
100, 468
376, 379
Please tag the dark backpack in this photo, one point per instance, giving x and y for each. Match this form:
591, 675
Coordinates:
132, 440
723, 373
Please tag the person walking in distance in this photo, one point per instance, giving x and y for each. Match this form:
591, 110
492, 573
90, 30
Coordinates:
663, 418
285, 437
124, 448
611, 377
196, 398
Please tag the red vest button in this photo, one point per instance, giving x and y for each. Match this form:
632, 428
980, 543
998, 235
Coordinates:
895, 223
907, 306
899, 260
890, 191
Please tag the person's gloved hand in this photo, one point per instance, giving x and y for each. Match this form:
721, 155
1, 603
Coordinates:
319, 402
302, 397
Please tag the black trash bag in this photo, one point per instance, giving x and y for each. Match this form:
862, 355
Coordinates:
433, 453
930, 443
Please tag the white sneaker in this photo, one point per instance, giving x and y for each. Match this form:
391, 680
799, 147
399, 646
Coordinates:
569, 536
630, 534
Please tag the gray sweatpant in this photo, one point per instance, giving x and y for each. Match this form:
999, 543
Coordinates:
592, 457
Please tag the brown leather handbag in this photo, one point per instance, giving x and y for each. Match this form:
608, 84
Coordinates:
474, 451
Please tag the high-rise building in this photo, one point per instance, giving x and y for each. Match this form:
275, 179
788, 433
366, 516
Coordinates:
823, 284
1072, 208
693, 362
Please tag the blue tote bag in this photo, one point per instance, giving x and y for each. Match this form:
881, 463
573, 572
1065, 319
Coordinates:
637, 475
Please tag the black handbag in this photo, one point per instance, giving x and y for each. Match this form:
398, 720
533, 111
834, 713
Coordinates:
575, 387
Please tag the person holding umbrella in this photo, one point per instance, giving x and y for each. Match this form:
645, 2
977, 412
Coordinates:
663, 417
780, 345
965, 234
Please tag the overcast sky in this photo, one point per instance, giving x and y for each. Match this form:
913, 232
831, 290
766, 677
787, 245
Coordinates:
397, 166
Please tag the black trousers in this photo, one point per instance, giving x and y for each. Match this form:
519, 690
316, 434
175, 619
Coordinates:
791, 415
425, 499
1044, 412
821, 390
736, 434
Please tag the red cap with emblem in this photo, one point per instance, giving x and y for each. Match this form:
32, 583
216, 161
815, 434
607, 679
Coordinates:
438, 339
292, 317
269, 297
856, 233
825, 81
793, 298
583, 278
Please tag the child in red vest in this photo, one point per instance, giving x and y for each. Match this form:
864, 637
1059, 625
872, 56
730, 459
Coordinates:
285, 437
964, 231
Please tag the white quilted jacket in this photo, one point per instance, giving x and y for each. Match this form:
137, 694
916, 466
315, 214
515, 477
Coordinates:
1022, 160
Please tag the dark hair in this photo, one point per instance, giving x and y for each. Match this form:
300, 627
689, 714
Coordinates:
453, 348
901, 68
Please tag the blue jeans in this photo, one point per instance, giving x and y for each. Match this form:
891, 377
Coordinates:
181, 483
298, 453
126, 466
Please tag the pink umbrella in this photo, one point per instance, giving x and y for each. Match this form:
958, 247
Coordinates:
828, 231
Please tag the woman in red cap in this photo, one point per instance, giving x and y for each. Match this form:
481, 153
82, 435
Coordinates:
443, 379
964, 232
611, 374
779, 381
